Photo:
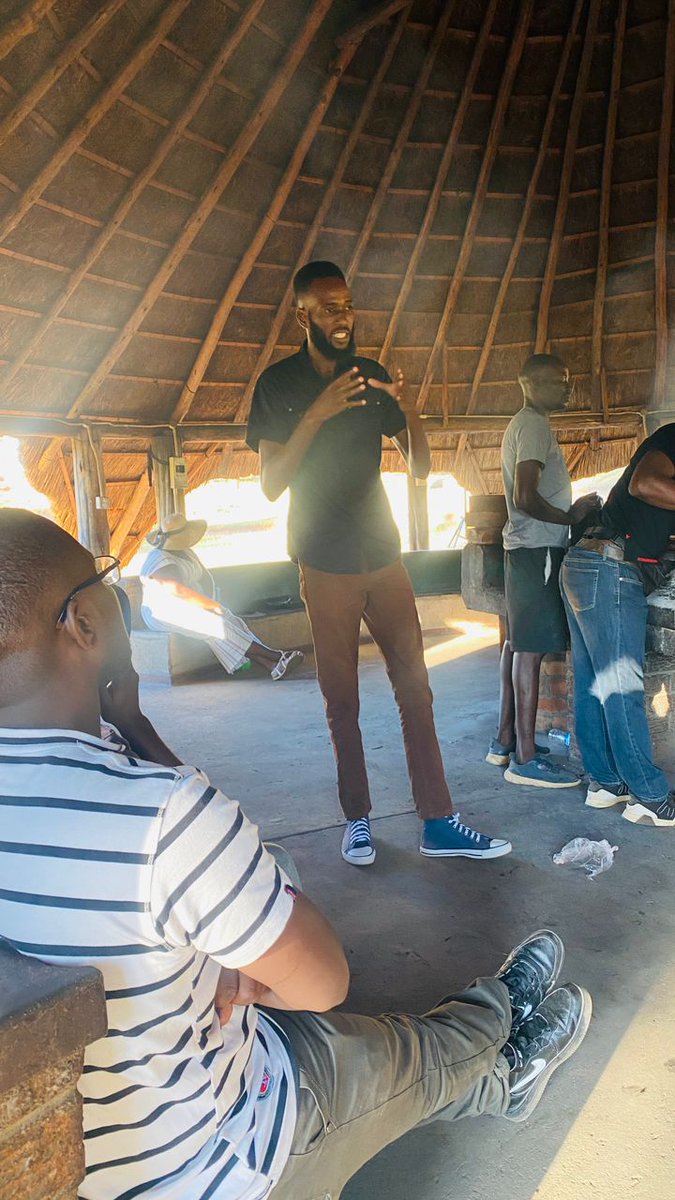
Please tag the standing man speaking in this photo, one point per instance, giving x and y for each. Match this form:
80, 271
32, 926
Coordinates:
317, 421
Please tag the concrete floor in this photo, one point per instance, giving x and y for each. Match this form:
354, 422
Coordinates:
415, 928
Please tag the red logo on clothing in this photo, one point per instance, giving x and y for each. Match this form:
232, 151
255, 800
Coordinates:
266, 1085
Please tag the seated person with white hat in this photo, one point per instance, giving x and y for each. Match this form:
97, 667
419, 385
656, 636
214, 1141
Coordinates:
179, 597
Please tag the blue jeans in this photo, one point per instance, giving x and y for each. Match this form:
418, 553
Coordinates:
607, 613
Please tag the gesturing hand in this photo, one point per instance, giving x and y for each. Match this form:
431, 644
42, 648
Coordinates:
395, 389
343, 392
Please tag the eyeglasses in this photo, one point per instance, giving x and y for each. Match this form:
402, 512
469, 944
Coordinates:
107, 571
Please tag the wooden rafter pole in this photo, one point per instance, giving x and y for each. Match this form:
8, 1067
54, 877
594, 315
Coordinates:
170, 139
380, 14
401, 140
598, 376
30, 98
661, 239
441, 176
566, 177
320, 215
477, 468
492, 145
131, 511
576, 457
526, 213
265, 227
22, 24
101, 105
67, 482
198, 218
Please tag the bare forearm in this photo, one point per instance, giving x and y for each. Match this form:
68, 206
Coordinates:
279, 468
540, 510
419, 455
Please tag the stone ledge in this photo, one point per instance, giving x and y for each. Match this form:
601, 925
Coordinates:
46, 1014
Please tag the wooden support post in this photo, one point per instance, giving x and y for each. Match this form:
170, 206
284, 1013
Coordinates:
90, 493
131, 511
268, 104
662, 203
436, 193
599, 389
167, 499
319, 217
143, 51
418, 513
173, 134
53, 72
402, 138
22, 24
491, 147
566, 176
380, 14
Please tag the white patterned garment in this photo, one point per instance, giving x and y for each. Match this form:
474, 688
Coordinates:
157, 879
227, 635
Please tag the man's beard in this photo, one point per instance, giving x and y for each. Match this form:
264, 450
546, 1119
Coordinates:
340, 355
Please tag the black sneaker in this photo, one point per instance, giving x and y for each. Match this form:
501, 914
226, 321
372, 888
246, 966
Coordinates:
606, 795
542, 1044
647, 812
531, 971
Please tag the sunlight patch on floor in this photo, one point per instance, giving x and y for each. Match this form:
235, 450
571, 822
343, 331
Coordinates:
473, 635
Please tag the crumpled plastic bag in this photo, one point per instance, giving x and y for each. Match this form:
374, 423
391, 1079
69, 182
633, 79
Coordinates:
591, 857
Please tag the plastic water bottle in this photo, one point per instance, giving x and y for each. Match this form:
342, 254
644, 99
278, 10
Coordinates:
561, 739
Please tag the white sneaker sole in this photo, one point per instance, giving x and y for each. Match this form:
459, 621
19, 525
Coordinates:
640, 815
604, 799
493, 852
511, 777
497, 760
540, 1085
364, 860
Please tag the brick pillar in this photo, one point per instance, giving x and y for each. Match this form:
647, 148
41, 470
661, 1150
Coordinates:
556, 706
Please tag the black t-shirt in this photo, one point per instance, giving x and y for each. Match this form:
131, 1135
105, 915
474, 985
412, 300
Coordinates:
646, 529
339, 519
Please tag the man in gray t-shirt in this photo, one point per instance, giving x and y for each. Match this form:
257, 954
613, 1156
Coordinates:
538, 493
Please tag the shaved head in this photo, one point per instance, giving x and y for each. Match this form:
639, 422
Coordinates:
40, 565
544, 379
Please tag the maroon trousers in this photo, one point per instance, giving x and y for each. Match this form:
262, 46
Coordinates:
384, 600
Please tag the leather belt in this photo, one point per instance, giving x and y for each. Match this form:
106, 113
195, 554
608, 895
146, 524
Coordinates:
604, 546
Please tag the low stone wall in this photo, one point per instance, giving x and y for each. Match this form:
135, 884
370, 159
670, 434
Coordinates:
48, 1015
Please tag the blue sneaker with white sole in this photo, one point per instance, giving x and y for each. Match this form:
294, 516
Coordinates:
447, 837
540, 773
499, 754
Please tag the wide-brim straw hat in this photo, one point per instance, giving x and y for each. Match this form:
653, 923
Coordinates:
177, 533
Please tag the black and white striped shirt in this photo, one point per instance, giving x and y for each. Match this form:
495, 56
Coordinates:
157, 879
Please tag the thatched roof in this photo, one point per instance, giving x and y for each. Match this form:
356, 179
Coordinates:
494, 175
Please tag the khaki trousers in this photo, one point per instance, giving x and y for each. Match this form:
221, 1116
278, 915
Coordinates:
365, 1081
384, 599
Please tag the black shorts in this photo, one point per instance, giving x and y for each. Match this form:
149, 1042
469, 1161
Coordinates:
535, 615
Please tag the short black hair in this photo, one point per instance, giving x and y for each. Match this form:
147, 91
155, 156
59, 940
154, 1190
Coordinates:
39, 561
320, 269
535, 361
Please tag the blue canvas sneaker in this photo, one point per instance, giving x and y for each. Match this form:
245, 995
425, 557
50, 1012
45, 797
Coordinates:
446, 837
540, 773
357, 844
499, 754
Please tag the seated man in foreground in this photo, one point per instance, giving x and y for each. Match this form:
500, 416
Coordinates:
147, 872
